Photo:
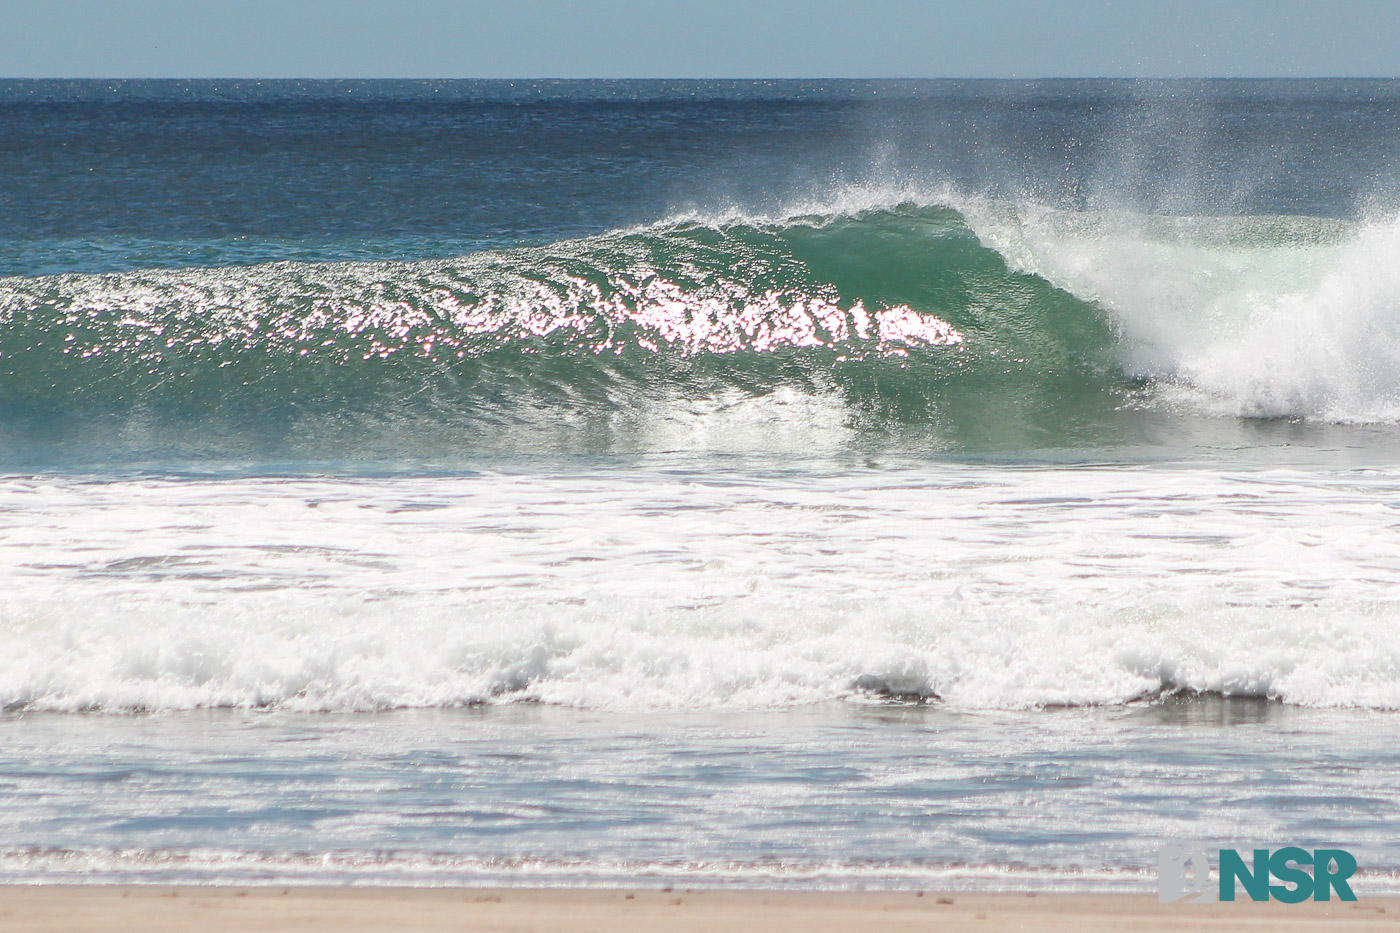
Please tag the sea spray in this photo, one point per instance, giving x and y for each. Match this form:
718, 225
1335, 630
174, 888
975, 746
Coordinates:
1272, 317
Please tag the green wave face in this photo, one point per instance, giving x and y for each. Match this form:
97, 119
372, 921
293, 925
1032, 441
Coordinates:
881, 328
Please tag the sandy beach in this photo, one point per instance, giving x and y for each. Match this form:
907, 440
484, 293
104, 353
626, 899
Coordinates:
155, 909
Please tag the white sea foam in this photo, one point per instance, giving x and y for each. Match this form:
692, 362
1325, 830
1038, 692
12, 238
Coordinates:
1252, 316
432, 869
213, 866
984, 588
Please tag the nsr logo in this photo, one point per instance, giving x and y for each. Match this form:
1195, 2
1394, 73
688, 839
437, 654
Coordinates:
1184, 875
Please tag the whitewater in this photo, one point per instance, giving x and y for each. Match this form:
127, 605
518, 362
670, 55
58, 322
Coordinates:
619, 589
856, 485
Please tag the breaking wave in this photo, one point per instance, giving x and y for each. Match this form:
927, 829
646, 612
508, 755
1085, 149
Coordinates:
984, 325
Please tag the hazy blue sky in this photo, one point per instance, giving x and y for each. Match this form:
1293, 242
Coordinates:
717, 38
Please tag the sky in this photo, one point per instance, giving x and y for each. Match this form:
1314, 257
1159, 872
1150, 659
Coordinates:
698, 39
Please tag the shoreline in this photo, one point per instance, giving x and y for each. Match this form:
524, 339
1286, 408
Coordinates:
276, 909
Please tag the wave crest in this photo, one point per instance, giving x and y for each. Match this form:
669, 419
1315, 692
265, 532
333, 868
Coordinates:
567, 344
990, 326
1256, 317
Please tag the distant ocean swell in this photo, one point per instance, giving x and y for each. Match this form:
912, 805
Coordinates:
991, 323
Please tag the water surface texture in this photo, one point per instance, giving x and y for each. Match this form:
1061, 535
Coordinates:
844, 484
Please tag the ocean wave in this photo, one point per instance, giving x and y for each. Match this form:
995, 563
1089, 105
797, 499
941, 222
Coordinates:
962, 323
973, 587
622, 655
1256, 317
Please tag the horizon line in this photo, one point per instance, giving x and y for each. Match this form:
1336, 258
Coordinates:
735, 79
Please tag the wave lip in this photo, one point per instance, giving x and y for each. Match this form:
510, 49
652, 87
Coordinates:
1257, 317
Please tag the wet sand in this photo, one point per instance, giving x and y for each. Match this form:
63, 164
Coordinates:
158, 909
